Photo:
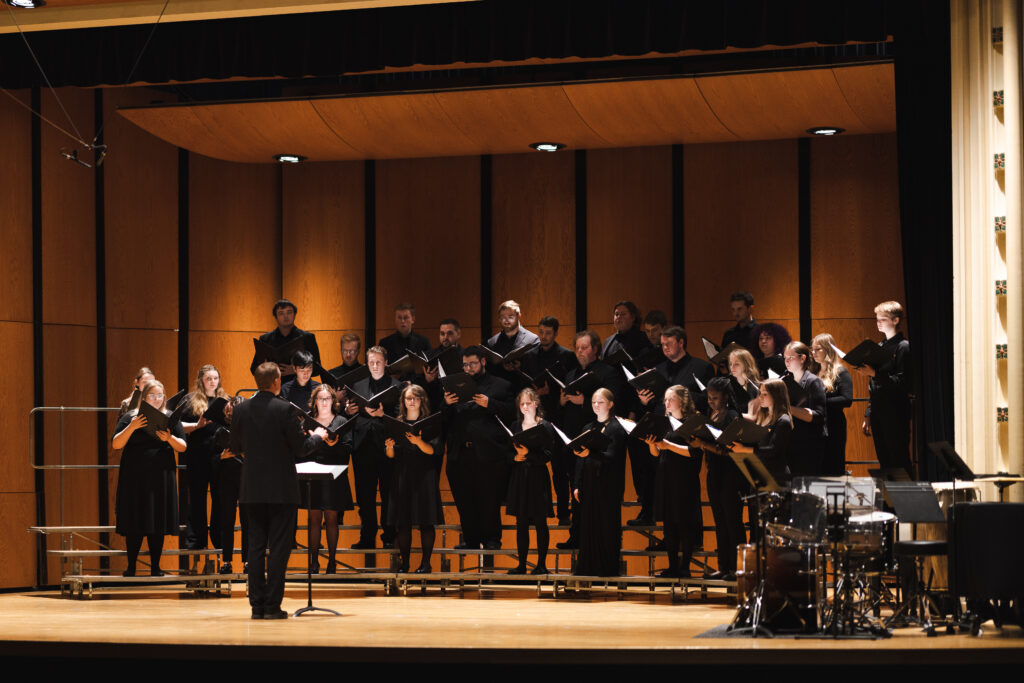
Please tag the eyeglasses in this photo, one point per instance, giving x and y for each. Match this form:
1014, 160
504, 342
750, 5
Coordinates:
471, 364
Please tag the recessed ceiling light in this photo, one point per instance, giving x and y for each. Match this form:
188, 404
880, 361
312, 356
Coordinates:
25, 4
289, 158
547, 146
826, 130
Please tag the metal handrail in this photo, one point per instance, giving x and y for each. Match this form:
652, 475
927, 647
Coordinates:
61, 409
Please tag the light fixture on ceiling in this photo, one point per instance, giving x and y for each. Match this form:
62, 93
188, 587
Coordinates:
25, 4
547, 146
826, 130
289, 158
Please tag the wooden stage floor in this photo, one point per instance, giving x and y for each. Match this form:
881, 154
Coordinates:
494, 626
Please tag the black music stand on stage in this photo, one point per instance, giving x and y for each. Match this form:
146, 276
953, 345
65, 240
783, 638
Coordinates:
310, 472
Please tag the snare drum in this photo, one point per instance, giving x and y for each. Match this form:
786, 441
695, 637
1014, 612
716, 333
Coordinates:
869, 540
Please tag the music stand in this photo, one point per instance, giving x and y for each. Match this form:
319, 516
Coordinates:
310, 472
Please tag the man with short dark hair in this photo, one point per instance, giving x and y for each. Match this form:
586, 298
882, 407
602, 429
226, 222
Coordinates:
449, 334
477, 452
654, 322
404, 340
284, 313
741, 305
265, 432
300, 387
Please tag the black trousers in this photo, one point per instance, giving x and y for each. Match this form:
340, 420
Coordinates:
482, 484
726, 486
890, 430
202, 477
229, 483
271, 532
372, 472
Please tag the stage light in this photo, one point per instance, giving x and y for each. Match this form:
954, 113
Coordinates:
826, 130
289, 158
547, 146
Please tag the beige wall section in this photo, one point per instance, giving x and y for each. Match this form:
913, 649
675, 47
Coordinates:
983, 319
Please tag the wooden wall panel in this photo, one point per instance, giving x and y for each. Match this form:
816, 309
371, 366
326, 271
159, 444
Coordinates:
231, 352
70, 381
16, 206
856, 259
428, 243
629, 231
323, 248
234, 245
15, 403
740, 208
141, 219
17, 548
68, 215
534, 235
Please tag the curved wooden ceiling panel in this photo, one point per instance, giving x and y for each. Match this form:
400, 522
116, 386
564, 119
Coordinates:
395, 126
871, 92
510, 119
777, 105
259, 130
654, 112
754, 106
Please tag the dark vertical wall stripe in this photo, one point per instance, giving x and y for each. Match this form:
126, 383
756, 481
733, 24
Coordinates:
581, 238
37, 328
370, 241
486, 255
183, 268
804, 235
678, 313
101, 328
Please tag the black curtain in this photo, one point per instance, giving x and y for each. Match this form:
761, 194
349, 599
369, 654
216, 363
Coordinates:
924, 135
332, 43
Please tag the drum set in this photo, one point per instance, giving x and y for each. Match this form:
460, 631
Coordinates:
817, 530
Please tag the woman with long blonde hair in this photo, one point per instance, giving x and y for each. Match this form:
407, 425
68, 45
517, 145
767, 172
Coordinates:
204, 449
838, 397
771, 409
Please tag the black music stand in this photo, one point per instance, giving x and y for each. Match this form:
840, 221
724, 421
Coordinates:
310, 472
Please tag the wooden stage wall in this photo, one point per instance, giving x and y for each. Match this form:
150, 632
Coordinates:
172, 260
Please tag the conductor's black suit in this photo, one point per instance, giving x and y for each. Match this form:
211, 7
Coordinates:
271, 439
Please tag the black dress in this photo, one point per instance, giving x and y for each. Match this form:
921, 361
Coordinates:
774, 449
335, 494
529, 484
202, 452
726, 488
836, 403
676, 484
807, 452
415, 499
147, 498
601, 478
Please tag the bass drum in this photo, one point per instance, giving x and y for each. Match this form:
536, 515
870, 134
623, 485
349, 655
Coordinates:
793, 585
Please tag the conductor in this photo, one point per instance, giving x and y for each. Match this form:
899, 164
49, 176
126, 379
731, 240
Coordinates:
270, 438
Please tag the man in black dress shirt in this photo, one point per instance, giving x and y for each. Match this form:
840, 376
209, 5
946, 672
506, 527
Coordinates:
742, 307
449, 335
350, 345
558, 360
371, 467
654, 322
266, 433
512, 336
285, 312
404, 340
478, 452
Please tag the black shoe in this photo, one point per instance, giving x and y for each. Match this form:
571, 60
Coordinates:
641, 520
332, 567
314, 568
564, 521
156, 571
521, 569
541, 569
492, 545
387, 545
226, 569
128, 572
403, 569
423, 569
668, 574
257, 614
684, 573
466, 546
655, 545
364, 545
571, 544
275, 614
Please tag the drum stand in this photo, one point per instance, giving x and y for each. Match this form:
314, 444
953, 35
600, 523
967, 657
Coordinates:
853, 598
